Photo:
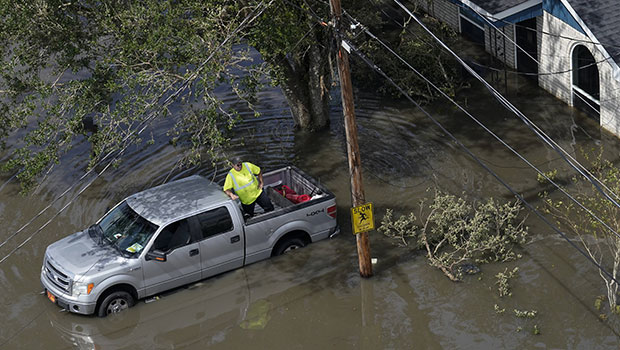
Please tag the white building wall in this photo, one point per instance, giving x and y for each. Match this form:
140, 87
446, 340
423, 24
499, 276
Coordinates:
554, 55
556, 69
500, 43
443, 10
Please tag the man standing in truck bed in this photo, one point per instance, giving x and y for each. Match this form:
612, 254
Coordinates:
247, 181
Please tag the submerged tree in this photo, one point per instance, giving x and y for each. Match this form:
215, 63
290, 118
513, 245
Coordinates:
116, 66
102, 71
420, 51
454, 232
598, 231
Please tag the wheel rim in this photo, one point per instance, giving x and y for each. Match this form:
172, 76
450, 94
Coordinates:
291, 247
117, 305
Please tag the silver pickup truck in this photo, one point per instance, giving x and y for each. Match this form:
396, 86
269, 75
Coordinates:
176, 234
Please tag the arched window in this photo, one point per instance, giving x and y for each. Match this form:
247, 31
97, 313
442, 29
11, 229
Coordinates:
586, 82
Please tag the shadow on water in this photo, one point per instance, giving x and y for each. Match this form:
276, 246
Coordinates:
315, 298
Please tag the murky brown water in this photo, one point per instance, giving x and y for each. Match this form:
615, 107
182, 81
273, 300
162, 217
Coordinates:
314, 298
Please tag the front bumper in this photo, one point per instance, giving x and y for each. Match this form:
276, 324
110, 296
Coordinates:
67, 302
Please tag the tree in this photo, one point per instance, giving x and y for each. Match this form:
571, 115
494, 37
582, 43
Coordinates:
118, 65
419, 49
455, 233
102, 70
298, 49
600, 241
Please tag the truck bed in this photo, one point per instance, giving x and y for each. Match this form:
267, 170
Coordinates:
295, 179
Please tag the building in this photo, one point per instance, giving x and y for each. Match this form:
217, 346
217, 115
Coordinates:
572, 47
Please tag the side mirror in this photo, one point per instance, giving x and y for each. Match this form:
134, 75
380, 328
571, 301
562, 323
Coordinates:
157, 255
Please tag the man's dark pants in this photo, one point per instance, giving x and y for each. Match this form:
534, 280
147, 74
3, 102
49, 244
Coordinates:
262, 200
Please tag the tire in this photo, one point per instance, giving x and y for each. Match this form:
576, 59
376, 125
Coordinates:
115, 302
288, 244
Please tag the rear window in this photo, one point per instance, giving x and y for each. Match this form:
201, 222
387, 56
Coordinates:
214, 222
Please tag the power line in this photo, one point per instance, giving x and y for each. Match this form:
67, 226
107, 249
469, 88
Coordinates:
491, 132
475, 158
484, 127
526, 53
504, 70
538, 74
487, 18
491, 25
527, 204
532, 126
499, 139
141, 127
23, 243
524, 73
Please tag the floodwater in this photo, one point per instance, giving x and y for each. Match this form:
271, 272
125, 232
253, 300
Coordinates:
314, 298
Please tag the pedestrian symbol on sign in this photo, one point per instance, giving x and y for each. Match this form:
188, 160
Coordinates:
362, 217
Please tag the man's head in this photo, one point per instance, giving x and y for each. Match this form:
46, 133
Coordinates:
236, 163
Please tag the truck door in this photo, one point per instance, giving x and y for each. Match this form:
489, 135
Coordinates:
182, 263
221, 247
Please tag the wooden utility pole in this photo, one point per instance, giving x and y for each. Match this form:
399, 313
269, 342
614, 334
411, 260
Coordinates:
350, 126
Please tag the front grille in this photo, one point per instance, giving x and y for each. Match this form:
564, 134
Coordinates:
57, 278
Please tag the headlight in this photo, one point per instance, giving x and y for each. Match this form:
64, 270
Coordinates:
80, 288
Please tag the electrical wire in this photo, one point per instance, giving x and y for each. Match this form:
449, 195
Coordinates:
477, 160
491, 25
537, 131
548, 55
462, 146
484, 127
7, 256
550, 73
141, 127
323, 22
560, 36
525, 160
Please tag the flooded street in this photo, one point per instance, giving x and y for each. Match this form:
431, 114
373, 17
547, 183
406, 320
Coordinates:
314, 298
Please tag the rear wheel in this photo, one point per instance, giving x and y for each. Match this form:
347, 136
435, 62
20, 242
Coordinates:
288, 244
115, 302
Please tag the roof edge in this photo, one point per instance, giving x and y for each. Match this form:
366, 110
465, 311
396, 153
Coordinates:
590, 35
502, 14
516, 9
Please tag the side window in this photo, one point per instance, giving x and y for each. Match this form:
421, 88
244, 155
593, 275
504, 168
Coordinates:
214, 222
173, 236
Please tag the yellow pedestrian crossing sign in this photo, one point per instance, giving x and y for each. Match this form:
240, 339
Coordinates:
362, 218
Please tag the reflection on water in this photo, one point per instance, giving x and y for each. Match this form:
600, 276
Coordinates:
314, 298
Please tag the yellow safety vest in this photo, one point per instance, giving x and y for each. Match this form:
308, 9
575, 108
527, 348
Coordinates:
247, 191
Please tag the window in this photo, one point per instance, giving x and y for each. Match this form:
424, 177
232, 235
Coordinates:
126, 230
173, 236
214, 222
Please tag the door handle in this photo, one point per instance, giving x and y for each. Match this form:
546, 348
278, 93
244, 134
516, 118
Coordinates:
193, 252
235, 239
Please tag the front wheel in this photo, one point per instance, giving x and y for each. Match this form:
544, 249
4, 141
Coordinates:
288, 244
115, 303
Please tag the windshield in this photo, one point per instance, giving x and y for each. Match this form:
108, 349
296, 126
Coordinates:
126, 230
